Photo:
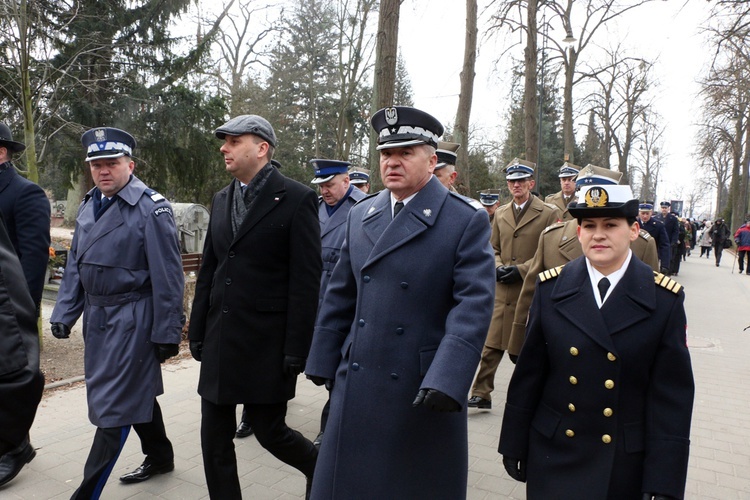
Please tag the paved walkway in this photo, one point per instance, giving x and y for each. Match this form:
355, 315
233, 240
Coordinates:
717, 305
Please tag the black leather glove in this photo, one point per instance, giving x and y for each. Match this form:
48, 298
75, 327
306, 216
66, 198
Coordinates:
196, 349
515, 468
436, 401
166, 351
294, 365
318, 380
649, 496
60, 330
513, 358
500, 272
513, 275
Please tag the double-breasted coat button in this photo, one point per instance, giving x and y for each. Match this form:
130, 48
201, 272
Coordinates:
228, 281
609, 384
608, 412
366, 279
570, 433
404, 285
225, 309
573, 380
399, 331
572, 407
355, 366
394, 376
611, 356
232, 254
574, 351
99, 270
361, 322
606, 439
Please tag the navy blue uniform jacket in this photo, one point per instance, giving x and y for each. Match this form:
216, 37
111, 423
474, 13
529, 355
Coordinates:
600, 401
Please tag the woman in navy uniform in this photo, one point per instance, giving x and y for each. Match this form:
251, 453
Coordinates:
601, 399
124, 273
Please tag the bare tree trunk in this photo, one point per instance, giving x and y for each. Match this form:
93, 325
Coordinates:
386, 54
568, 136
531, 104
465, 98
745, 173
738, 208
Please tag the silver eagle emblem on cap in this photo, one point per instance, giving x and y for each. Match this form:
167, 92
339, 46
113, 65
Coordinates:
100, 135
391, 116
427, 212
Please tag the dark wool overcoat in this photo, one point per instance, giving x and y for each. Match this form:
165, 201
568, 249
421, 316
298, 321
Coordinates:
257, 293
26, 211
21, 381
407, 307
600, 402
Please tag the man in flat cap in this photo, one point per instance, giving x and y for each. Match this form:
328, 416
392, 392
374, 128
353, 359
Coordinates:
255, 302
567, 193
360, 178
124, 273
401, 327
600, 401
26, 211
515, 235
558, 245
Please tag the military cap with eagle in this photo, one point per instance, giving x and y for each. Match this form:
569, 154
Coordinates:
401, 126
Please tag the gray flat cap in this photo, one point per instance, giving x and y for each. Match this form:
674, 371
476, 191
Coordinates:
248, 124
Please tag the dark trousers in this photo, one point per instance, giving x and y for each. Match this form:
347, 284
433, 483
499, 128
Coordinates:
268, 422
106, 448
741, 259
717, 253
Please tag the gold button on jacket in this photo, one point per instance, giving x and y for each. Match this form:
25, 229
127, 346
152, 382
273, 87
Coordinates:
611, 356
573, 380
608, 412
574, 351
609, 384
572, 407
606, 439
570, 433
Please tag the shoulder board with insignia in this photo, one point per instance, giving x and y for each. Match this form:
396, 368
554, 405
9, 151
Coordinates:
644, 234
155, 196
552, 227
469, 201
550, 205
550, 273
667, 282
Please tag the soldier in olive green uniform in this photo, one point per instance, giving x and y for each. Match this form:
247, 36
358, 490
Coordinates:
567, 193
515, 235
559, 244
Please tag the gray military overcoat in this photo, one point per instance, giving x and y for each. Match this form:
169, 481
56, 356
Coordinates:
407, 307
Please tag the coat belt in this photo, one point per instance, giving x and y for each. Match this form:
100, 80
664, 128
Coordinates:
118, 298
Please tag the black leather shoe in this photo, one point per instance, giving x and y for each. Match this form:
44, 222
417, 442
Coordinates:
12, 462
145, 471
243, 430
481, 403
318, 440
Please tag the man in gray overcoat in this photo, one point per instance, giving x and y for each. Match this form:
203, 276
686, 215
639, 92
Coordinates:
124, 273
401, 328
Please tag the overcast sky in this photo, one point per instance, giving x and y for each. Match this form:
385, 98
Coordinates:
432, 36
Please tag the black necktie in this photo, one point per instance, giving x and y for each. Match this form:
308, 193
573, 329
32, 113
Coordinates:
397, 208
104, 205
603, 287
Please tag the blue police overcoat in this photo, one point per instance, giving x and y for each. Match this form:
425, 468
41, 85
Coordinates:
332, 234
124, 273
408, 307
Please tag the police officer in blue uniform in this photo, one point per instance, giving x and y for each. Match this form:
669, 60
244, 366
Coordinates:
600, 402
124, 273
360, 178
655, 228
490, 201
